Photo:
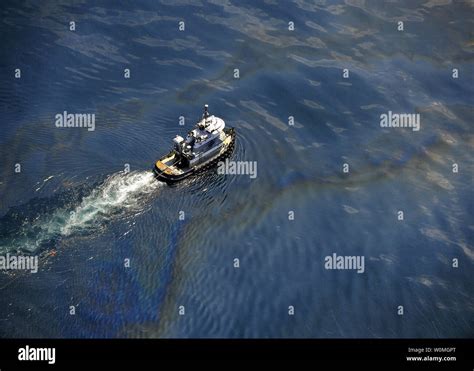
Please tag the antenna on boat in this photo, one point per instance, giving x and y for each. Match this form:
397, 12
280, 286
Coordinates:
206, 111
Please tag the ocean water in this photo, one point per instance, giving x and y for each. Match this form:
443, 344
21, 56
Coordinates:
73, 205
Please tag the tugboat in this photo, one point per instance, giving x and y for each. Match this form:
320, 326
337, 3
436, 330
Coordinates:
209, 142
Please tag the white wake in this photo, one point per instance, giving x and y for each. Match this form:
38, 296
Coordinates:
120, 195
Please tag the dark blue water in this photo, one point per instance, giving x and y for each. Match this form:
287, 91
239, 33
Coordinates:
73, 205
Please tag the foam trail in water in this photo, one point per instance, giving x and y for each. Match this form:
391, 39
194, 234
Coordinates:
121, 194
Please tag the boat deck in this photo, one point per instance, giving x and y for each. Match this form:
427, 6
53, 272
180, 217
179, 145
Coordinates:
166, 165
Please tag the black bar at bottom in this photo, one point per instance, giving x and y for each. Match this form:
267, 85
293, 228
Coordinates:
117, 351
